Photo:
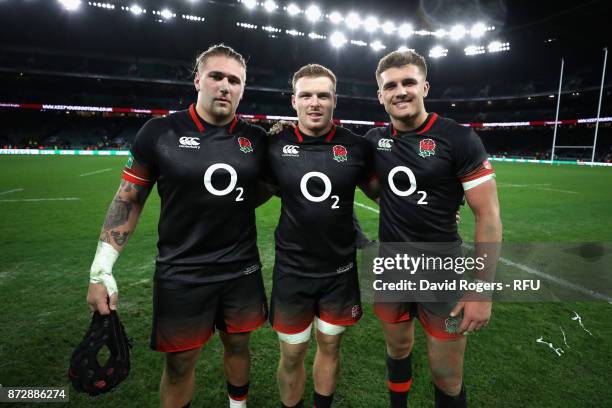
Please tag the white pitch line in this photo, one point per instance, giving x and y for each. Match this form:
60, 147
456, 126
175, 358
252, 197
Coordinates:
11, 191
40, 199
528, 269
376, 210
556, 190
140, 282
558, 281
521, 185
537, 187
94, 172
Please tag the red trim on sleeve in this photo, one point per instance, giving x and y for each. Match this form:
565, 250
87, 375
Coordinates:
400, 387
429, 124
132, 178
476, 174
195, 118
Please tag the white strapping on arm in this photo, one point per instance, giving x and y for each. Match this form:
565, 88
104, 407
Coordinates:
102, 267
473, 183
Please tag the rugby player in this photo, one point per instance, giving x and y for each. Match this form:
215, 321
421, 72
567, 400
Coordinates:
206, 164
426, 164
316, 167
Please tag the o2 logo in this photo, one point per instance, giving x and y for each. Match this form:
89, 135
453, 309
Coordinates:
413, 184
326, 193
230, 187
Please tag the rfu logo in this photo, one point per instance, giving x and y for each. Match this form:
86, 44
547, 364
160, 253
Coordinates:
385, 145
189, 142
291, 151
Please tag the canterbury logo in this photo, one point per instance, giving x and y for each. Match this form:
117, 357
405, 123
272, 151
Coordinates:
291, 150
189, 142
385, 144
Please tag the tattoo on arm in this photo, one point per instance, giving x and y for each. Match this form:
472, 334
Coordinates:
118, 213
105, 237
142, 193
119, 237
126, 186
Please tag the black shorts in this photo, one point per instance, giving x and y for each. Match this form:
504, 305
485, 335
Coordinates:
296, 300
184, 317
434, 317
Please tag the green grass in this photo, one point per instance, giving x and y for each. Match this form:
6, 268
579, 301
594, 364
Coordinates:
47, 248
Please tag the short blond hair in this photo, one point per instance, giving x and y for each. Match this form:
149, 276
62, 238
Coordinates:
397, 59
313, 71
218, 50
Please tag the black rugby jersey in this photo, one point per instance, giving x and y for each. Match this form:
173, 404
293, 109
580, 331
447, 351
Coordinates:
206, 178
423, 175
317, 176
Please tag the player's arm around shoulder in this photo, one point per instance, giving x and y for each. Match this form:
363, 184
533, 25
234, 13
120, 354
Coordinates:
371, 188
371, 185
119, 224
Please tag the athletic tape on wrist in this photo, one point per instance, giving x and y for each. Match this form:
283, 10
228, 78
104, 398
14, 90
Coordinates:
102, 267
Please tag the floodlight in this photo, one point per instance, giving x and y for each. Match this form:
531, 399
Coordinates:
107, 6
439, 33
405, 30
247, 25
166, 14
313, 13
377, 46
478, 30
293, 10
335, 17
352, 21
337, 39
474, 50
388, 27
70, 5
250, 4
270, 6
136, 10
271, 29
457, 32
497, 46
370, 24
438, 51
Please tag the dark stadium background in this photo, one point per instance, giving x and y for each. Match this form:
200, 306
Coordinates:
52, 207
101, 57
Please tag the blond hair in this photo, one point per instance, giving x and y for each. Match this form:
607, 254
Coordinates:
313, 71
